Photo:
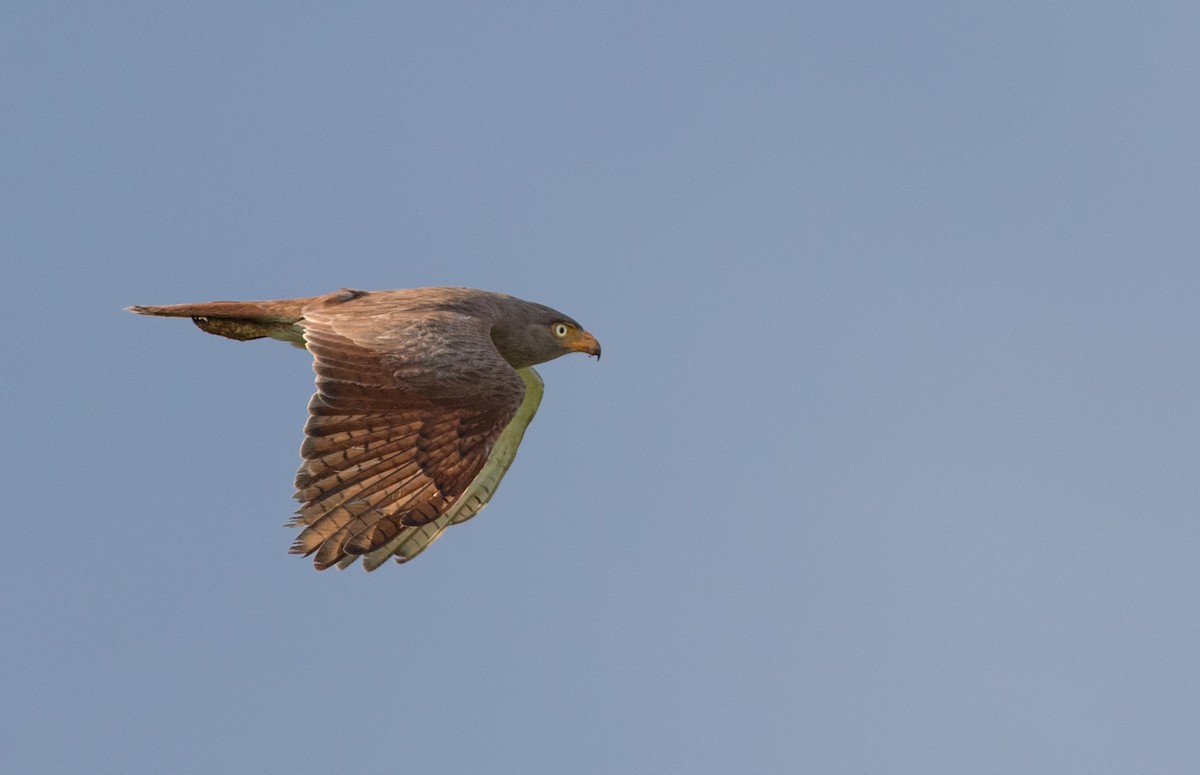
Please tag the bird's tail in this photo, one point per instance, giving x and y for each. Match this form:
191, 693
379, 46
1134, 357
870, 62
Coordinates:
240, 320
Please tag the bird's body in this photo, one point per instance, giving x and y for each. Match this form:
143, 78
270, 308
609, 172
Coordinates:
422, 398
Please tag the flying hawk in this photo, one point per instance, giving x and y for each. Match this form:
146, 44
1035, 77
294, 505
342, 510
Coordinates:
423, 396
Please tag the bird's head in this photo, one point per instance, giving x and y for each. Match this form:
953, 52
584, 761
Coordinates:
533, 333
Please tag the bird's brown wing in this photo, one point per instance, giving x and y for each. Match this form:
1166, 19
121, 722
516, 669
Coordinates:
411, 541
407, 410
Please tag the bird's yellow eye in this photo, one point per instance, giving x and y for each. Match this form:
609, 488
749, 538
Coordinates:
560, 330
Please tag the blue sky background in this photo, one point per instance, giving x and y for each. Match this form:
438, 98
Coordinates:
890, 465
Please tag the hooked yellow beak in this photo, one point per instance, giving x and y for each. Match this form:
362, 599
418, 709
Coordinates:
583, 342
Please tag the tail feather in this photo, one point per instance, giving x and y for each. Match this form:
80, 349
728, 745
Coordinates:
280, 311
240, 320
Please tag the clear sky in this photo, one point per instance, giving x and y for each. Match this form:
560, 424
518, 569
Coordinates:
890, 466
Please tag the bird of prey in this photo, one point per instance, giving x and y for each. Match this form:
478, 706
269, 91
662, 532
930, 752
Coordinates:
423, 396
